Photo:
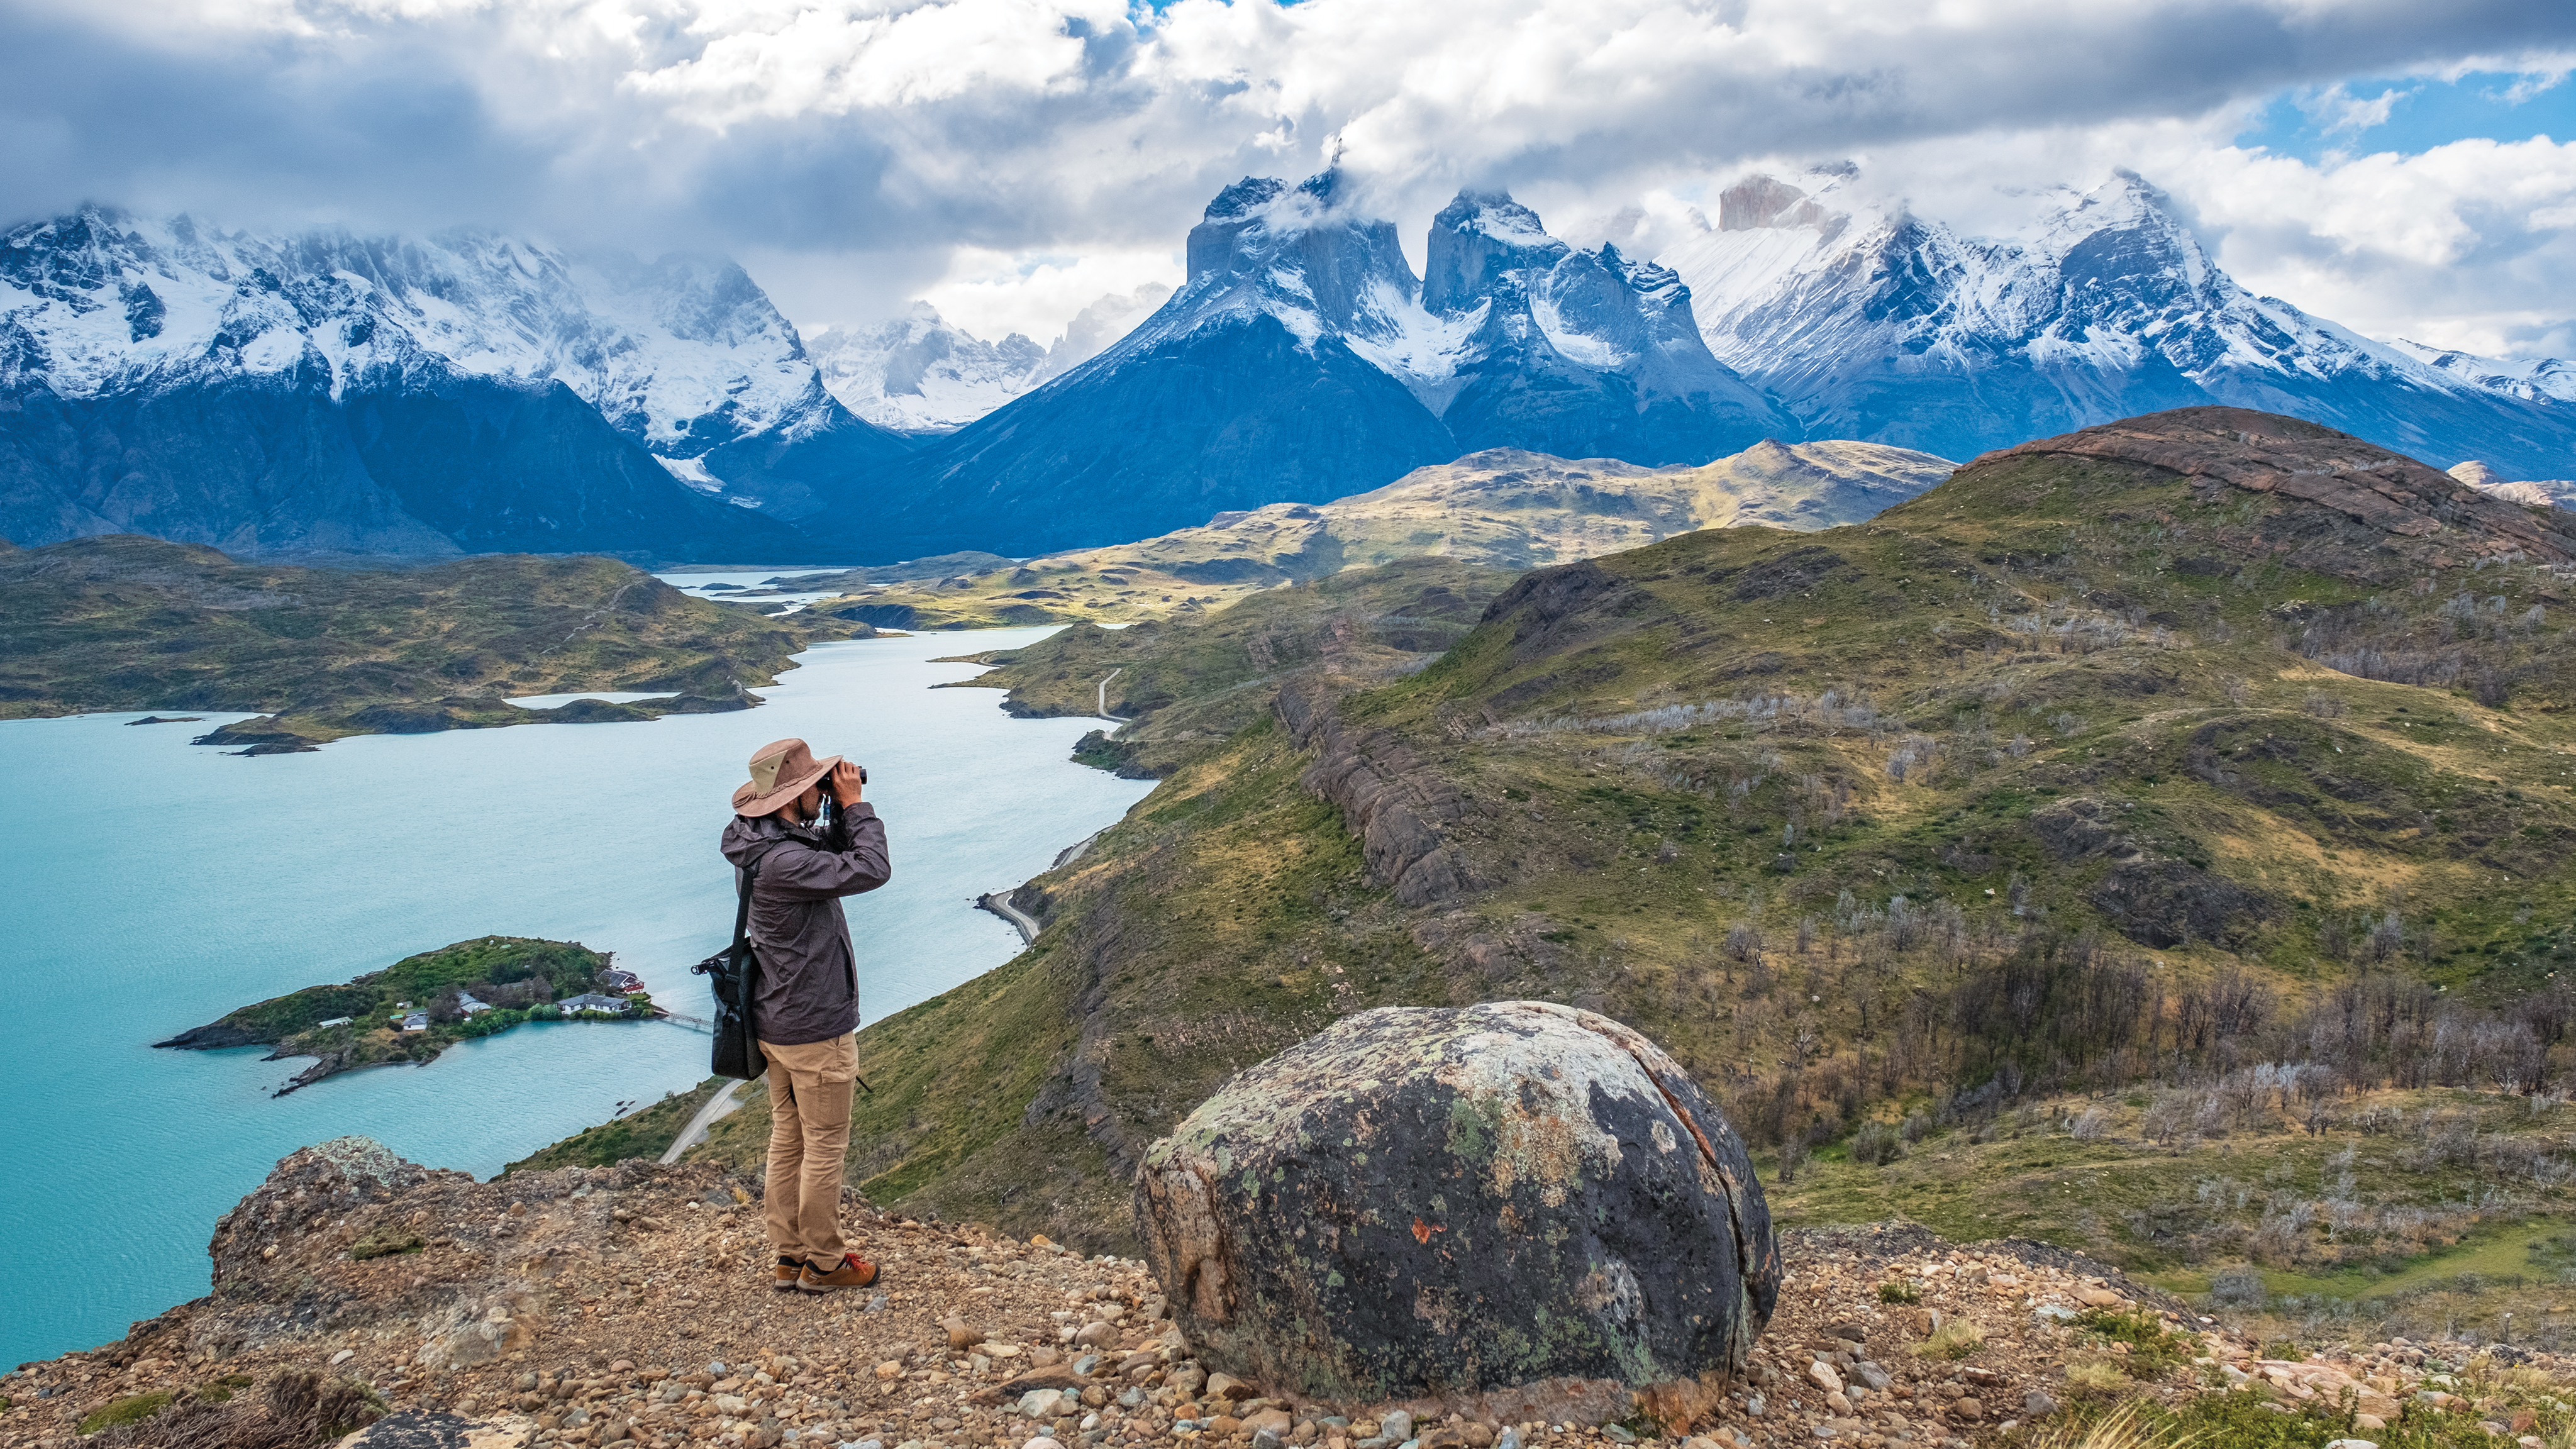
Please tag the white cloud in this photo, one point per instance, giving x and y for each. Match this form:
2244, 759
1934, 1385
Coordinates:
993, 294
1016, 158
2337, 111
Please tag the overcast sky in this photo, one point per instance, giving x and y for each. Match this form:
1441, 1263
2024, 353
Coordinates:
2406, 168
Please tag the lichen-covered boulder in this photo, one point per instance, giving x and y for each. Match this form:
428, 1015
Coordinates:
1518, 1210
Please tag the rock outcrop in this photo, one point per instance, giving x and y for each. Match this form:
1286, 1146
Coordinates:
1511, 1210
2266, 453
658, 1328
1395, 804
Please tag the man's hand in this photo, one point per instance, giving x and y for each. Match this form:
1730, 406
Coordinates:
844, 781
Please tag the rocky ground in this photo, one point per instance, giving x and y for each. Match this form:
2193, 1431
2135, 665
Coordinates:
630, 1304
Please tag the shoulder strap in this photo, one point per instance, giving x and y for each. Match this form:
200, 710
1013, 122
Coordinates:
742, 906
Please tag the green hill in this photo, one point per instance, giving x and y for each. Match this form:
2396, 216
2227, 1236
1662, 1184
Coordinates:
2207, 752
126, 623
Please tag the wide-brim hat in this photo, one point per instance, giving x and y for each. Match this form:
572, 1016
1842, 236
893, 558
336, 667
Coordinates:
780, 771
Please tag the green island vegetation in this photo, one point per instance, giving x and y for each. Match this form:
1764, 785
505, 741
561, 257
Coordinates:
131, 623
420, 1006
2155, 841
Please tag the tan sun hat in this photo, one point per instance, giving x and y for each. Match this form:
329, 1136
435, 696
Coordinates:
780, 771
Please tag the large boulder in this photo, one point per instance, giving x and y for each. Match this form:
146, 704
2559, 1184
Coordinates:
1516, 1210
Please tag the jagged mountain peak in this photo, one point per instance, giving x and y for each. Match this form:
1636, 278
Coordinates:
1478, 242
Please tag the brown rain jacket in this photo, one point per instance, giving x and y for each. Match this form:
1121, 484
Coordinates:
809, 981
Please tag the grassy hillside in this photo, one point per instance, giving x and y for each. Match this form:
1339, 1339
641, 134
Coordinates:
124, 623
2209, 766
1502, 508
1187, 685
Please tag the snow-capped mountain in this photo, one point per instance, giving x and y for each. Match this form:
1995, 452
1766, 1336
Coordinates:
1302, 361
1584, 354
918, 374
1866, 321
469, 387
2546, 380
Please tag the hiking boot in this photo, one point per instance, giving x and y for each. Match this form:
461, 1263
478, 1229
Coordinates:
851, 1272
782, 1279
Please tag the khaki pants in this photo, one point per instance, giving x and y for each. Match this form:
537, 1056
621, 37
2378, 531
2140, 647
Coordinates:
809, 1143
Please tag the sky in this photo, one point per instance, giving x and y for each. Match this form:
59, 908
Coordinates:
2405, 169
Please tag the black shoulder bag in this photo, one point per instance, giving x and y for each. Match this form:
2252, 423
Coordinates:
734, 974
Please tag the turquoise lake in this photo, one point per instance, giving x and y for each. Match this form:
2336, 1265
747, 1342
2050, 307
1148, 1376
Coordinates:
154, 885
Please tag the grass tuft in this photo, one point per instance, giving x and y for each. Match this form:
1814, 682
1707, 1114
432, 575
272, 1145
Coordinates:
1957, 1338
132, 1409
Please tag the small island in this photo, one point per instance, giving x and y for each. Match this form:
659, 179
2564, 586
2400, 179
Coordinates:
420, 1006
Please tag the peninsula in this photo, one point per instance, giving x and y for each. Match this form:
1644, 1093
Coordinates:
420, 1006
130, 623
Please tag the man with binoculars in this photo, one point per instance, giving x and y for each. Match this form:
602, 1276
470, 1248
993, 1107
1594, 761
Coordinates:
802, 831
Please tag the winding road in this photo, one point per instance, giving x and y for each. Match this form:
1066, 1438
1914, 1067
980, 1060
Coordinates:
718, 1107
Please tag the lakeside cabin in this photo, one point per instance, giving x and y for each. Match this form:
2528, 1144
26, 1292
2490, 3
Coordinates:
414, 1021
623, 983
466, 1002
593, 1001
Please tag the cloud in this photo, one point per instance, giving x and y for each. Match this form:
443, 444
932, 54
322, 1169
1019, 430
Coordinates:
2336, 110
1005, 153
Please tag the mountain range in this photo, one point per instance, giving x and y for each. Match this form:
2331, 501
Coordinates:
1800, 313
1867, 321
1303, 360
328, 393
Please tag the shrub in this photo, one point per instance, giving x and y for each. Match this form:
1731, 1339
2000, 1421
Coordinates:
2285, 1349
130, 1410
2153, 1350
1877, 1144
1955, 1338
2238, 1288
2096, 1374
1793, 1155
1744, 941
1899, 1291
383, 1241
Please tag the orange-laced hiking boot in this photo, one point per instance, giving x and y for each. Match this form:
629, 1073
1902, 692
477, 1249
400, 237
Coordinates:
783, 1278
852, 1272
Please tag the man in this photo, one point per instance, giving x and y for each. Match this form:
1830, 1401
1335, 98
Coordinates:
805, 1009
